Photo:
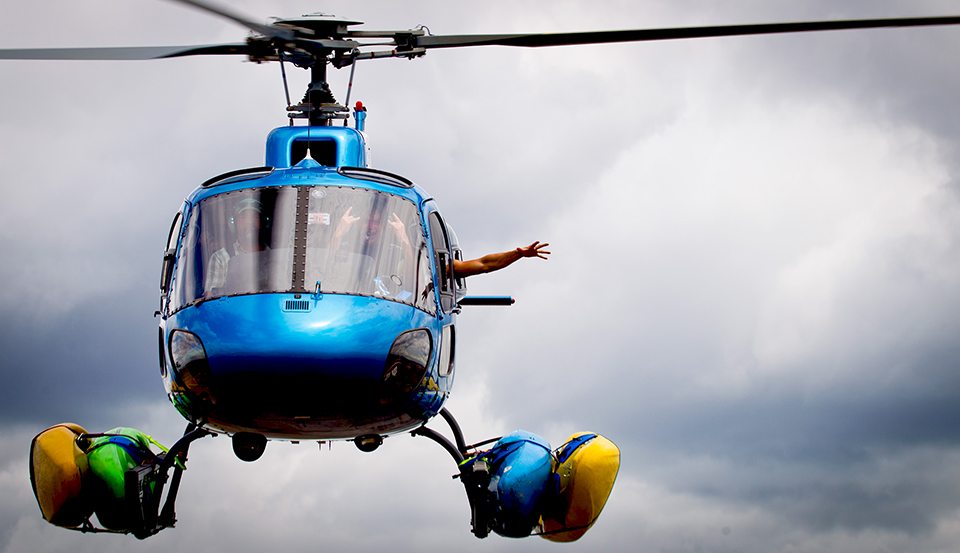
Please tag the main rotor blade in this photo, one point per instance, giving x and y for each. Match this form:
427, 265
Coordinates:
265, 30
123, 53
644, 35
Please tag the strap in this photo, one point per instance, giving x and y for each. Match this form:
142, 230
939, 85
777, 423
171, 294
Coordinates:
568, 448
131, 446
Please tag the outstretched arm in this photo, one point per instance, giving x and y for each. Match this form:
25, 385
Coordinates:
497, 261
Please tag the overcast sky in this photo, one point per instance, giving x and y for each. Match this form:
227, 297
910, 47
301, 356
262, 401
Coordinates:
754, 287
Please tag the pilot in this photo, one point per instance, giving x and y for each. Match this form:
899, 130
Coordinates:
496, 261
248, 243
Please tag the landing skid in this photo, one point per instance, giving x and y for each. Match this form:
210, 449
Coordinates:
516, 487
144, 489
475, 477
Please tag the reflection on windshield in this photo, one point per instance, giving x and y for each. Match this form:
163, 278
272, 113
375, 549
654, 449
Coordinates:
239, 243
364, 242
358, 241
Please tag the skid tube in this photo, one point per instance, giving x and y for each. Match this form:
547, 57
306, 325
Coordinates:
175, 458
474, 478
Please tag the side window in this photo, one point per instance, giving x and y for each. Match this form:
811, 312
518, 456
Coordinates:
444, 261
460, 284
174, 232
170, 253
447, 350
425, 299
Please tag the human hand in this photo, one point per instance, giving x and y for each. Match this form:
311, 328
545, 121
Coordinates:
398, 228
347, 218
534, 250
346, 221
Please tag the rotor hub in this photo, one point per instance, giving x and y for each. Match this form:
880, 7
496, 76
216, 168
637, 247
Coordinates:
317, 25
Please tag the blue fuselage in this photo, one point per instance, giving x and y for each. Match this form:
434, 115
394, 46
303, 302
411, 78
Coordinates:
313, 340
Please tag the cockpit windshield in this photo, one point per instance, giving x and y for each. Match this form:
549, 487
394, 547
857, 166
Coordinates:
238, 243
345, 241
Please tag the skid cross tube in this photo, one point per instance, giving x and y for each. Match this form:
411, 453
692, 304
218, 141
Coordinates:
455, 428
440, 439
473, 476
153, 519
177, 452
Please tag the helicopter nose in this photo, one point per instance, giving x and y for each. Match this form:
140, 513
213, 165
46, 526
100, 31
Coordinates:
331, 362
336, 337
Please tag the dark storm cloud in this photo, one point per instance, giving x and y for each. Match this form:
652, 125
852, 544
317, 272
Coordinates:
778, 421
909, 492
773, 386
91, 361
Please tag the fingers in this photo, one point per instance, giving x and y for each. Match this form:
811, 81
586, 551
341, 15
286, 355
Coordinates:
348, 218
536, 249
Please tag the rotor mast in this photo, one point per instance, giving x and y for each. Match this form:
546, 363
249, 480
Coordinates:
318, 36
319, 105
318, 93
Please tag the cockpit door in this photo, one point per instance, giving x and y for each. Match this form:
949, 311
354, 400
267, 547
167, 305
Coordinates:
444, 260
169, 258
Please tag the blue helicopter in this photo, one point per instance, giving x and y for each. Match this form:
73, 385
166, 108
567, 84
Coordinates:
309, 299
316, 298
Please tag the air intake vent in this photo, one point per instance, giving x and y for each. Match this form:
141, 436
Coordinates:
238, 175
375, 175
296, 305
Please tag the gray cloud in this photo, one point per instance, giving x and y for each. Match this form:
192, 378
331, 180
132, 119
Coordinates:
753, 287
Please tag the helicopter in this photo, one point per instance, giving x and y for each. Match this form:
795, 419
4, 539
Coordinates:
370, 421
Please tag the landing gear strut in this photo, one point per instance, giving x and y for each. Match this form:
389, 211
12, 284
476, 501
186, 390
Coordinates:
474, 476
147, 482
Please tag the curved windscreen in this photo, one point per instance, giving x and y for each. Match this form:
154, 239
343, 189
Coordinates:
351, 241
365, 242
238, 243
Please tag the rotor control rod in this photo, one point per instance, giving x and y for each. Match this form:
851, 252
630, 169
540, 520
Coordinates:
319, 106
